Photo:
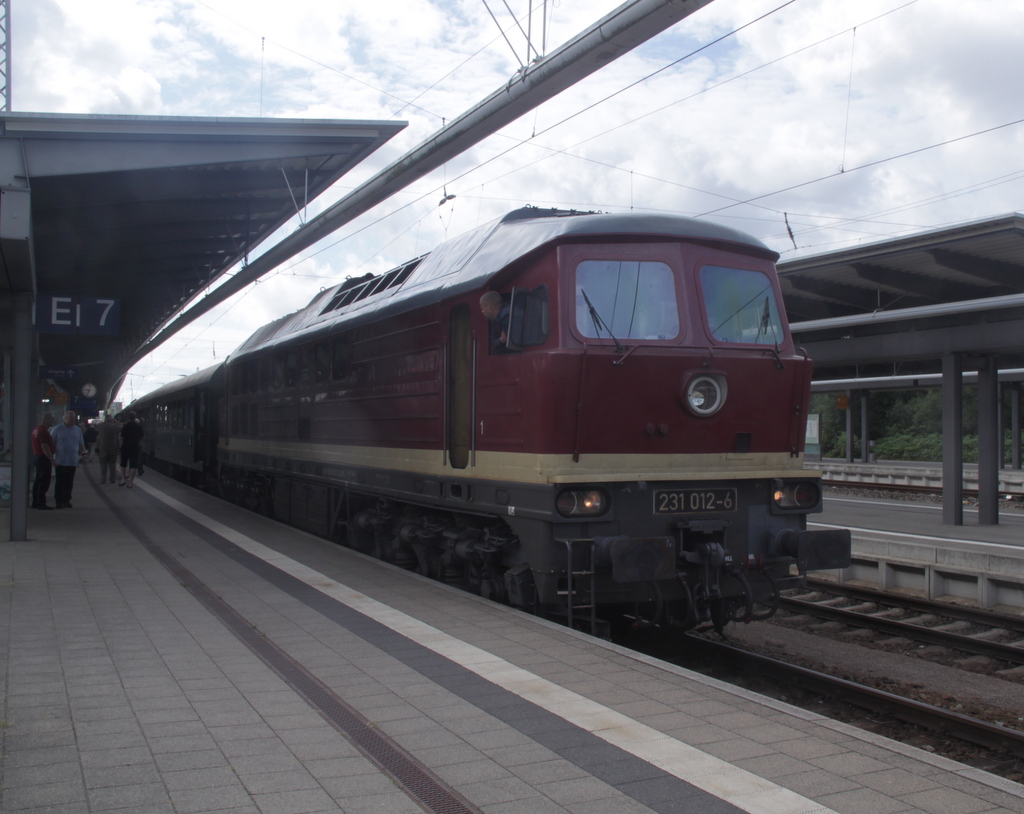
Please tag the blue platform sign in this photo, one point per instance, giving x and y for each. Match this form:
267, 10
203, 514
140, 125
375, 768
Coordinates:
78, 315
86, 407
57, 372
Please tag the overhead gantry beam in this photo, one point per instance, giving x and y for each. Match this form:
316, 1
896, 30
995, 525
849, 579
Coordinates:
616, 34
993, 271
928, 288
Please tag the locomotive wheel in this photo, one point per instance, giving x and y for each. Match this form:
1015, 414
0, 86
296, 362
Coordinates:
402, 555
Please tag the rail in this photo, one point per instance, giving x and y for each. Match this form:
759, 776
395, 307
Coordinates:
980, 633
934, 719
905, 475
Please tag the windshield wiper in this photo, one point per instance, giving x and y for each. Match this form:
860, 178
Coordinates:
600, 323
766, 322
766, 317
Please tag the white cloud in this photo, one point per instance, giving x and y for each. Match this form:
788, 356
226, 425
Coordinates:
784, 104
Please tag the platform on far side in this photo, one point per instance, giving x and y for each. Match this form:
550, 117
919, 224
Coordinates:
903, 546
917, 474
169, 652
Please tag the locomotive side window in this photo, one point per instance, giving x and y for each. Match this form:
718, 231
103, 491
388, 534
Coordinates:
322, 362
529, 321
291, 368
341, 364
740, 306
278, 380
266, 374
305, 365
631, 299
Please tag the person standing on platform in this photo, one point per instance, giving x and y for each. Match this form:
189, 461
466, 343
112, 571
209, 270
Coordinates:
90, 435
70, 443
131, 444
42, 449
108, 443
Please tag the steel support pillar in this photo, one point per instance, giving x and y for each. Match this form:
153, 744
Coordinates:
1014, 389
20, 429
849, 427
988, 442
1000, 429
952, 440
865, 441
5, 416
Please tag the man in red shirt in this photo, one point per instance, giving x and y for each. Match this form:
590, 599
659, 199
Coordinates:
43, 449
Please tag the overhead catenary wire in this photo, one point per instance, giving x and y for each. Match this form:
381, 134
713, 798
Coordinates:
608, 97
732, 202
563, 151
704, 90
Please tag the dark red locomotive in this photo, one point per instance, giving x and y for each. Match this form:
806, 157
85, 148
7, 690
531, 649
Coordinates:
623, 436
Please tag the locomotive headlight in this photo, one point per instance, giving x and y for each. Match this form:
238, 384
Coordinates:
581, 503
798, 496
705, 395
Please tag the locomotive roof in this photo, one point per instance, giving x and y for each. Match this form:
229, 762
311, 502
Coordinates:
469, 261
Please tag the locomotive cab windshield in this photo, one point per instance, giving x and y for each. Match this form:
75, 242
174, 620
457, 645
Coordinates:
740, 306
628, 299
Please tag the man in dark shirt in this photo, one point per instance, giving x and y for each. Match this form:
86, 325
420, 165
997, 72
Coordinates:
107, 445
131, 444
495, 309
90, 435
43, 449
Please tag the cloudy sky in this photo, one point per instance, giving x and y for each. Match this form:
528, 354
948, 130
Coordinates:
853, 121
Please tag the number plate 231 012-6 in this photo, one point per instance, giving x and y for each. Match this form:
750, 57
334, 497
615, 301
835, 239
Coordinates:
693, 501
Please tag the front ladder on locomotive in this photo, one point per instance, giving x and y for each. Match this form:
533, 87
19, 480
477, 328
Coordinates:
572, 572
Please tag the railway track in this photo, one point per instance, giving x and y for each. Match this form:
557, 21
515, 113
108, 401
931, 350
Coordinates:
961, 732
1010, 492
964, 629
906, 488
1002, 740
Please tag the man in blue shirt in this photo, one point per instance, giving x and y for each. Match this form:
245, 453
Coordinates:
70, 444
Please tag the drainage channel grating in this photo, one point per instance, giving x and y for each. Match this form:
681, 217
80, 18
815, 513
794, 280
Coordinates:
415, 779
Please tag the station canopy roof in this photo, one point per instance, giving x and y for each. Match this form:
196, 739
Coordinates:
150, 211
894, 308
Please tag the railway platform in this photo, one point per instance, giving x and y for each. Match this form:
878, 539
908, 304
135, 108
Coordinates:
168, 652
904, 546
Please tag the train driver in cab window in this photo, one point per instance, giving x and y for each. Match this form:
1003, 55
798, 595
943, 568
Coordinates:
496, 311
